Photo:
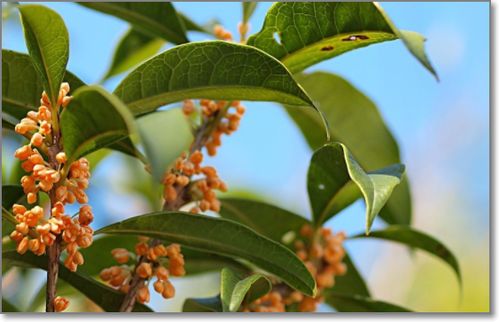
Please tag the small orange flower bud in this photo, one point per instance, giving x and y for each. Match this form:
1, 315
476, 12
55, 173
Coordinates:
158, 286
162, 273
60, 304
37, 139
168, 290
121, 255
22, 247
144, 270
141, 249
143, 295
31, 197
85, 216
61, 157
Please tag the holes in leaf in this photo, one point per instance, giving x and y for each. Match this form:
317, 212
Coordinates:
277, 37
327, 48
355, 37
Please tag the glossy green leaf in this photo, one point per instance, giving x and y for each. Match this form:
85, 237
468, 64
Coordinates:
335, 180
11, 194
234, 289
95, 119
22, 85
355, 121
303, 34
134, 48
47, 40
223, 237
212, 70
268, 220
283, 226
210, 304
8, 307
99, 257
419, 240
165, 135
107, 298
158, 19
358, 303
248, 10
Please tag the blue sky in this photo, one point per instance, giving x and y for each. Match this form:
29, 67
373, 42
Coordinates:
442, 127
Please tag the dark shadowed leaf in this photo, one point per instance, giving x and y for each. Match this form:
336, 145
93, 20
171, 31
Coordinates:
47, 40
212, 70
209, 304
107, 298
303, 34
22, 85
352, 282
268, 220
223, 237
358, 303
133, 48
335, 180
95, 119
158, 19
419, 240
165, 135
355, 121
234, 289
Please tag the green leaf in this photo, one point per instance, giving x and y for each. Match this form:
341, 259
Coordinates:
158, 19
303, 34
335, 180
279, 224
352, 282
47, 40
9, 122
11, 194
99, 257
355, 121
210, 69
417, 239
223, 237
234, 290
95, 119
248, 10
8, 307
133, 48
107, 298
358, 303
271, 221
210, 304
165, 135
22, 85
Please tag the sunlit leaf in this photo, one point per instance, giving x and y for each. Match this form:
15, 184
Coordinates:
234, 289
47, 40
302, 34
165, 135
355, 121
107, 298
248, 10
418, 240
8, 307
335, 180
95, 119
158, 19
212, 70
223, 237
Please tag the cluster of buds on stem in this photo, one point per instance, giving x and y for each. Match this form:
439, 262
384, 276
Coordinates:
202, 190
322, 252
147, 262
64, 183
221, 33
226, 115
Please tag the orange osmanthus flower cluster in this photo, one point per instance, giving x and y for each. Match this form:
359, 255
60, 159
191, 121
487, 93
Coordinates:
34, 231
156, 258
322, 255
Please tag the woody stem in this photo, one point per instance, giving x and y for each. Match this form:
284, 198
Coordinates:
53, 251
